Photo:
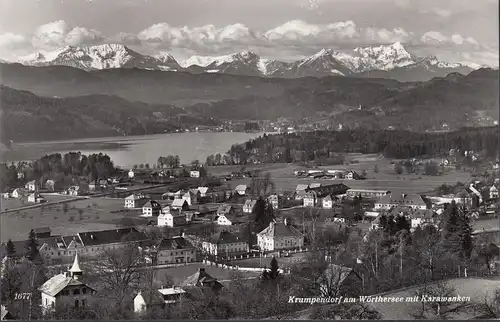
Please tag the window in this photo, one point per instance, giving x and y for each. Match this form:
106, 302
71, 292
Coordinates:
84, 290
76, 303
83, 302
76, 291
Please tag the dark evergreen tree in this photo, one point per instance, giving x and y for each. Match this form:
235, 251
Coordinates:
274, 269
11, 249
32, 247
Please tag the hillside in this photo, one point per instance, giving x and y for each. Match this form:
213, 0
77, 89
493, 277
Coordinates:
27, 117
455, 100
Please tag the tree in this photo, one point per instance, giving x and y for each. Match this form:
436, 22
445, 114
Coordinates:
431, 169
439, 309
141, 166
146, 166
486, 253
119, 272
273, 272
263, 213
398, 168
490, 307
11, 249
261, 186
32, 253
11, 282
345, 311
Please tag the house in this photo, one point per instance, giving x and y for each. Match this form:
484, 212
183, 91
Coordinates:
309, 199
241, 189
7, 194
76, 191
194, 173
67, 289
18, 193
5, 314
226, 215
412, 201
202, 279
191, 197
54, 185
332, 189
151, 209
225, 243
175, 250
180, 204
339, 280
145, 301
203, 191
93, 186
36, 197
274, 201
248, 206
43, 232
30, 186
178, 194
352, 175
280, 236
131, 174
300, 191
366, 193
493, 192
327, 202
171, 218
94, 242
421, 218
136, 201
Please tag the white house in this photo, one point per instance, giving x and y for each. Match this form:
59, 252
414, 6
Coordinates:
327, 202
421, 218
280, 236
412, 201
135, 201
36, 197
171, 218
175, 250
493, 192
67, 289
203, 191
274, 201
225, 215
31, 186
18, 193
179, 204
145, 301
241, 189
225, 243
309, 199
151, 209
191, 197
248, 206
194, 173
131, 174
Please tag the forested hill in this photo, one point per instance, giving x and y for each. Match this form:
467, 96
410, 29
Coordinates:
319, 145
27, 117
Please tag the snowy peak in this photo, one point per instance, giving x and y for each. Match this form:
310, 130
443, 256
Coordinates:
102, 57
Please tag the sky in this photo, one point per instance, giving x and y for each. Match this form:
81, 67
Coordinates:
453, 30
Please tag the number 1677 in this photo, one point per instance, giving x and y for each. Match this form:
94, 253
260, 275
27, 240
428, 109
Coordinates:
23, 296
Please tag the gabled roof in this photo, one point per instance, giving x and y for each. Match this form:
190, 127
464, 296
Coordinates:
203, 190
58, 283
179, 203
241, 187
301, 187
332, 189
42, 230
200, 278
167, 211
111, 236
314, 185
493, 189
224, 209
135, 196
174, 243
4, 313
279, 229
31, 182
224, 237
152, 204
327, 198
336, 274
250, 203
402, 200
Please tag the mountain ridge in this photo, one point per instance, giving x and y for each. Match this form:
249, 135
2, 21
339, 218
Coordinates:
391, 61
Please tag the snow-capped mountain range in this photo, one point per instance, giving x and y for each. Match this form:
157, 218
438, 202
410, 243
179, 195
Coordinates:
389, 61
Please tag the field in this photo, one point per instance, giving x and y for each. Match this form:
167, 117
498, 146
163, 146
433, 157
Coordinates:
81, 215
14, 203
385, 179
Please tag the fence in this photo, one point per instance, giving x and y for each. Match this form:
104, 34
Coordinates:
243, 269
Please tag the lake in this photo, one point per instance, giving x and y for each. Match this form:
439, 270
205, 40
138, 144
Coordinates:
131, 150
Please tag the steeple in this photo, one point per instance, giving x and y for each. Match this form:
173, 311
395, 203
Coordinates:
75, 270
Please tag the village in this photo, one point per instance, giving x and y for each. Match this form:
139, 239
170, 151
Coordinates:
213, 225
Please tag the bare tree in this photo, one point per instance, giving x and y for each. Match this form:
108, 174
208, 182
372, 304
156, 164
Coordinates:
437, 301
261, 186
12, 281
119, 272
346, 311
490, 307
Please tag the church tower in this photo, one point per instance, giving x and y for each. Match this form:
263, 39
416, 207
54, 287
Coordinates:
75, 271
